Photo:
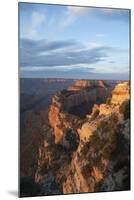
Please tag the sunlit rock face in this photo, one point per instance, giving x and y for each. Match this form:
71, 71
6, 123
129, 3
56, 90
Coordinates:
82, 95
81, 84
104, 136
89, 153
120, 93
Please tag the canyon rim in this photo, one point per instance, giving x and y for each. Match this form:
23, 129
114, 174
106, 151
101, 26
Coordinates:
74, 99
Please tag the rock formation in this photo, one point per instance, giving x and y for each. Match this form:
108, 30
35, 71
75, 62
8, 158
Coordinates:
82, 84
120, 93
98, 164
86, 153
82, 92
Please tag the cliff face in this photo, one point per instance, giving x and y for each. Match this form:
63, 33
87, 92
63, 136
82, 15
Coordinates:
91, 153
81, 84
120, 93
98, 164
82, 92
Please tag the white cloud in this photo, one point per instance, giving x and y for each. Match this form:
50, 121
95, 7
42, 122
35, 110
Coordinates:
78, 10
69, 19
93, 45
72, 14
36, 20
111, 69
57, 68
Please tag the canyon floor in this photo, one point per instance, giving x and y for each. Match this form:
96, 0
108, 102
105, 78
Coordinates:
74, 136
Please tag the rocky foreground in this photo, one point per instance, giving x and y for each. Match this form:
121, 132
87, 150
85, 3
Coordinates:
89, 152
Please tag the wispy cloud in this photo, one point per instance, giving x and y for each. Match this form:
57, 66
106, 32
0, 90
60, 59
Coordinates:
73, 13
111, 69
76, 67
31, 53
37, 19
33, 23
78, 10
75, 40
114, 14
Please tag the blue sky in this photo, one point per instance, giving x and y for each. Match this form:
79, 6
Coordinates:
73, 42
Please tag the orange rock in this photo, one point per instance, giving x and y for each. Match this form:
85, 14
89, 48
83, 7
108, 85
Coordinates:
120, 93
97, 174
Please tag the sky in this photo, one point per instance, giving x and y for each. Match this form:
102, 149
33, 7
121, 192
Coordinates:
73, 42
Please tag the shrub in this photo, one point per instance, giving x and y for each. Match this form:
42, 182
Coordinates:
86, 170
120, 144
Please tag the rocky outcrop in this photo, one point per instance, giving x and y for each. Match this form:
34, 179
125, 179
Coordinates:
98, 164
116, 104
86, 154
120, 93
82, 84
87, 93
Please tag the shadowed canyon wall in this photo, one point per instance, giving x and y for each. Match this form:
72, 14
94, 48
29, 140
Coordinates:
89, 152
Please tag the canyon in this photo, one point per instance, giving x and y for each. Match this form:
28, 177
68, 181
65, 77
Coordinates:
67, 104
80, 140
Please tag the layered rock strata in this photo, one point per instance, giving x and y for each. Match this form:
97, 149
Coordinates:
92, 153
82, 92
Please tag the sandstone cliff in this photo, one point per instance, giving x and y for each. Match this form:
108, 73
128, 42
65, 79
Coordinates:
87, 93
82, 84
98, 164
86, 154
120, 93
